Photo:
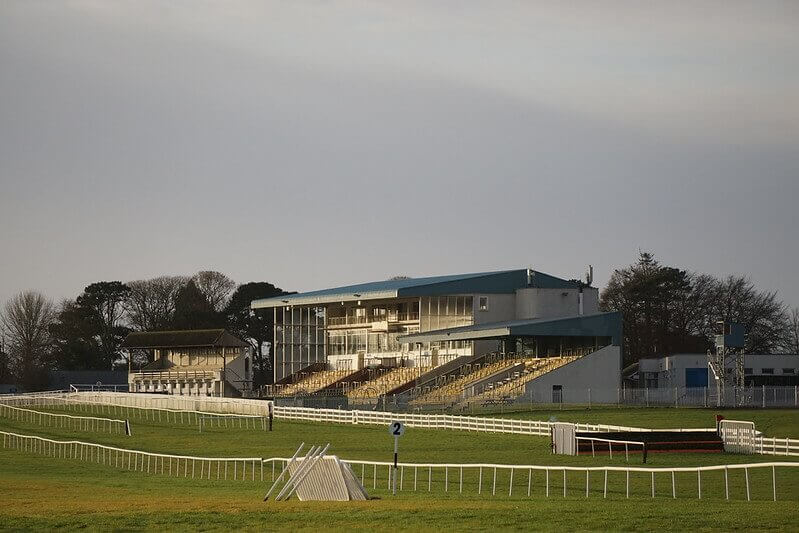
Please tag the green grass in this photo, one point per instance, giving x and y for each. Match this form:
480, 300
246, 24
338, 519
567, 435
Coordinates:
47, 493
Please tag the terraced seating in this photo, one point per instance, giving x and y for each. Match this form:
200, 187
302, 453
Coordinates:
386, 382
455, 387
312, 383
514, 387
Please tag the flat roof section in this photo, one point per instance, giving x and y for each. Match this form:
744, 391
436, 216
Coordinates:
500, 282
593, 325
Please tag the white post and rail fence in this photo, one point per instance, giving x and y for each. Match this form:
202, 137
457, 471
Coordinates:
449, 477
182, 409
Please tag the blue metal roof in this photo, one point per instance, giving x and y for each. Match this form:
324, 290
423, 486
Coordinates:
593, 325
504, 281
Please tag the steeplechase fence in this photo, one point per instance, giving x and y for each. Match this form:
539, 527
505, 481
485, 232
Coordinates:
80, 423
219, 468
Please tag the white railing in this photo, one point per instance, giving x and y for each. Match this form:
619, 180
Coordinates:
151, 414
77, 387
81, 423
242, 406
432, 421
451, 476
252, 468
152, 407
610, 443
777, 446
241, 468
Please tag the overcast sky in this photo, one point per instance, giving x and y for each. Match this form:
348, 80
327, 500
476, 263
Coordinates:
314, 144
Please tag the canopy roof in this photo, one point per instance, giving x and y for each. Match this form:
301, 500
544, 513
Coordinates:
593, 325
192, 338
504, 281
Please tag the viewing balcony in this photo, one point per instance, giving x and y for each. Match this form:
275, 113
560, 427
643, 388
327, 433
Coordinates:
177, 375
376, 322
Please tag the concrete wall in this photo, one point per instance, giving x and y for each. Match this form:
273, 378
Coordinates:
590, 300
546, 303
599, 371
500, 307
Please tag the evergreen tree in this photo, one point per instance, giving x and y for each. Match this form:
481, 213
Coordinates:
194, 311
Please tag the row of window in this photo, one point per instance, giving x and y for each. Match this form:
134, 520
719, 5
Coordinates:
790, 371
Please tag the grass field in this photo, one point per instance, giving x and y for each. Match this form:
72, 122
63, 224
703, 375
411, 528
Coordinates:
46, 493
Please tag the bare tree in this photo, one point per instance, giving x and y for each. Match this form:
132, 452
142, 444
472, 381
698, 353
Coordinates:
151, 303
27, 318
763, 315
215, 286
5, 370
792, 338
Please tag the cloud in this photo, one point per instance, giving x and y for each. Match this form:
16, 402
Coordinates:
320, 143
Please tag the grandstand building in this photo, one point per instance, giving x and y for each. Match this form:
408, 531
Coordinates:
482, 334
206, 362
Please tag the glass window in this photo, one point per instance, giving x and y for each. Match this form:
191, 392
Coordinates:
767, 370
483, 303
788, 370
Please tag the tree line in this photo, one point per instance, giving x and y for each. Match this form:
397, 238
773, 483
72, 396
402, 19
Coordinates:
665, 310
85, 333
669, 310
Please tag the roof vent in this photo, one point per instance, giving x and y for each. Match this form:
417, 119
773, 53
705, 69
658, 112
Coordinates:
530, 276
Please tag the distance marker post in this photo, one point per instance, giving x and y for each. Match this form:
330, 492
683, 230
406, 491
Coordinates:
396, 429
